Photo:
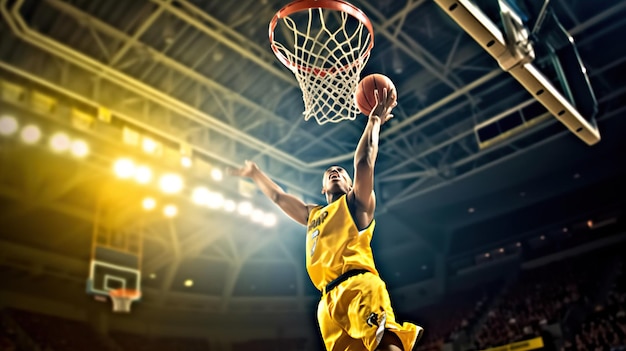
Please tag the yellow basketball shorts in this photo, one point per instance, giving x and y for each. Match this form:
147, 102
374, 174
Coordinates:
354, 315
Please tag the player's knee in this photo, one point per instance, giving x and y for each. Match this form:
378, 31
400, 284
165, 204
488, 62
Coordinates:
390, 342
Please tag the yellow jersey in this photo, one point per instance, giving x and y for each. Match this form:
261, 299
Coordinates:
334, 244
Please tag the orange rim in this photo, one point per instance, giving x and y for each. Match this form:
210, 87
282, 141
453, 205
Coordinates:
125, 293
301, 5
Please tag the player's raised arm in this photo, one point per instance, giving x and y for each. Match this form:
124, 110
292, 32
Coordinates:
291, 205
366, 153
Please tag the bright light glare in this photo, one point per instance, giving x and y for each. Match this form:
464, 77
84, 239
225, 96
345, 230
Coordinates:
217, 174
170, 211
30, 134
171, 183
244, 208
149, 146
60, 142
189, 283
269, 220
148, 203
8, 125
230, 206
124, 168
79, 148
185, 161
200, 195
215, 200
257, 216
143, 174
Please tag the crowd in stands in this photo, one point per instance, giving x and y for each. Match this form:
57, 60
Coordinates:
605, 328
540, 297
455, 313
584, 296
7, 338
294, 344
559, 293
54, 333
136, 342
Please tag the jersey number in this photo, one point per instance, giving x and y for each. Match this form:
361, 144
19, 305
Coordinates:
314, 238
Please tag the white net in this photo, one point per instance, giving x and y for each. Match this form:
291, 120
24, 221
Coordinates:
121, 304
122, 299
326, 50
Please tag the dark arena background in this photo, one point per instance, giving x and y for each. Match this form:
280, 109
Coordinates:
500, 205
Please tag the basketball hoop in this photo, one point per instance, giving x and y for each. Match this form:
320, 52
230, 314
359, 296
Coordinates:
123, 298
326, 44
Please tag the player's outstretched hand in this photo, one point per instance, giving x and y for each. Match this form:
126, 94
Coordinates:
384, 105
246, 171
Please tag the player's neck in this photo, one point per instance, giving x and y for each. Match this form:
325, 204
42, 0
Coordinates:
332, 197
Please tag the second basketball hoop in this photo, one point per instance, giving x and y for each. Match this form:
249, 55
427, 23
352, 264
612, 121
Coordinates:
326, 44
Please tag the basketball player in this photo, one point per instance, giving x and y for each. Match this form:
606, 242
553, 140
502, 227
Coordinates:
354, 312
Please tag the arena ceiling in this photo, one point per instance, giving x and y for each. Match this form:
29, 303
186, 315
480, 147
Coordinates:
202, 74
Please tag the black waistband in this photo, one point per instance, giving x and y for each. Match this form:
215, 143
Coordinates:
340, 279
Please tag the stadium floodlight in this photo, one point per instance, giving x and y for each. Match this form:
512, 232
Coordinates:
217, 174
148, 203
171, 183
30, 134
269, 220
257, 216
200, 195
124, 168
150, 146
60, 142
170, 211
244, 208
215, 200
185, 161
230, 206
79, 148
143, 174
8, 125
513, 52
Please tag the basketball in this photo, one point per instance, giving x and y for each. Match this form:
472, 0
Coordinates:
364, 95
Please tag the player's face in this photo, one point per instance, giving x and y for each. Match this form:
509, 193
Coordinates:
336, 179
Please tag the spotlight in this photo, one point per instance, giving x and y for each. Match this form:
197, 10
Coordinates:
8, 125
256, 216
244, 208
148, 203
230, 205
143, 174
124, 168
200, 196
170, 211
185, 161
217, 174
215, 200
79, 148
30, 134
171, 183
60, 142
149, 145
269, 220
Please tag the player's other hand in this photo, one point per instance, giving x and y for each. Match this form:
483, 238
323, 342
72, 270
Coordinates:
384, 105
246, 171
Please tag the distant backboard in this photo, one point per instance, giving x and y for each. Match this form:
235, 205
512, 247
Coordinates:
112, 269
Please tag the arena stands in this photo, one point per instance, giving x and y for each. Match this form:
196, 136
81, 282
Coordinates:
136, 342
574, 302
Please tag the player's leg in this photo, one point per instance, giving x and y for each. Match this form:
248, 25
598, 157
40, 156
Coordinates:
333, 335
363, 309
